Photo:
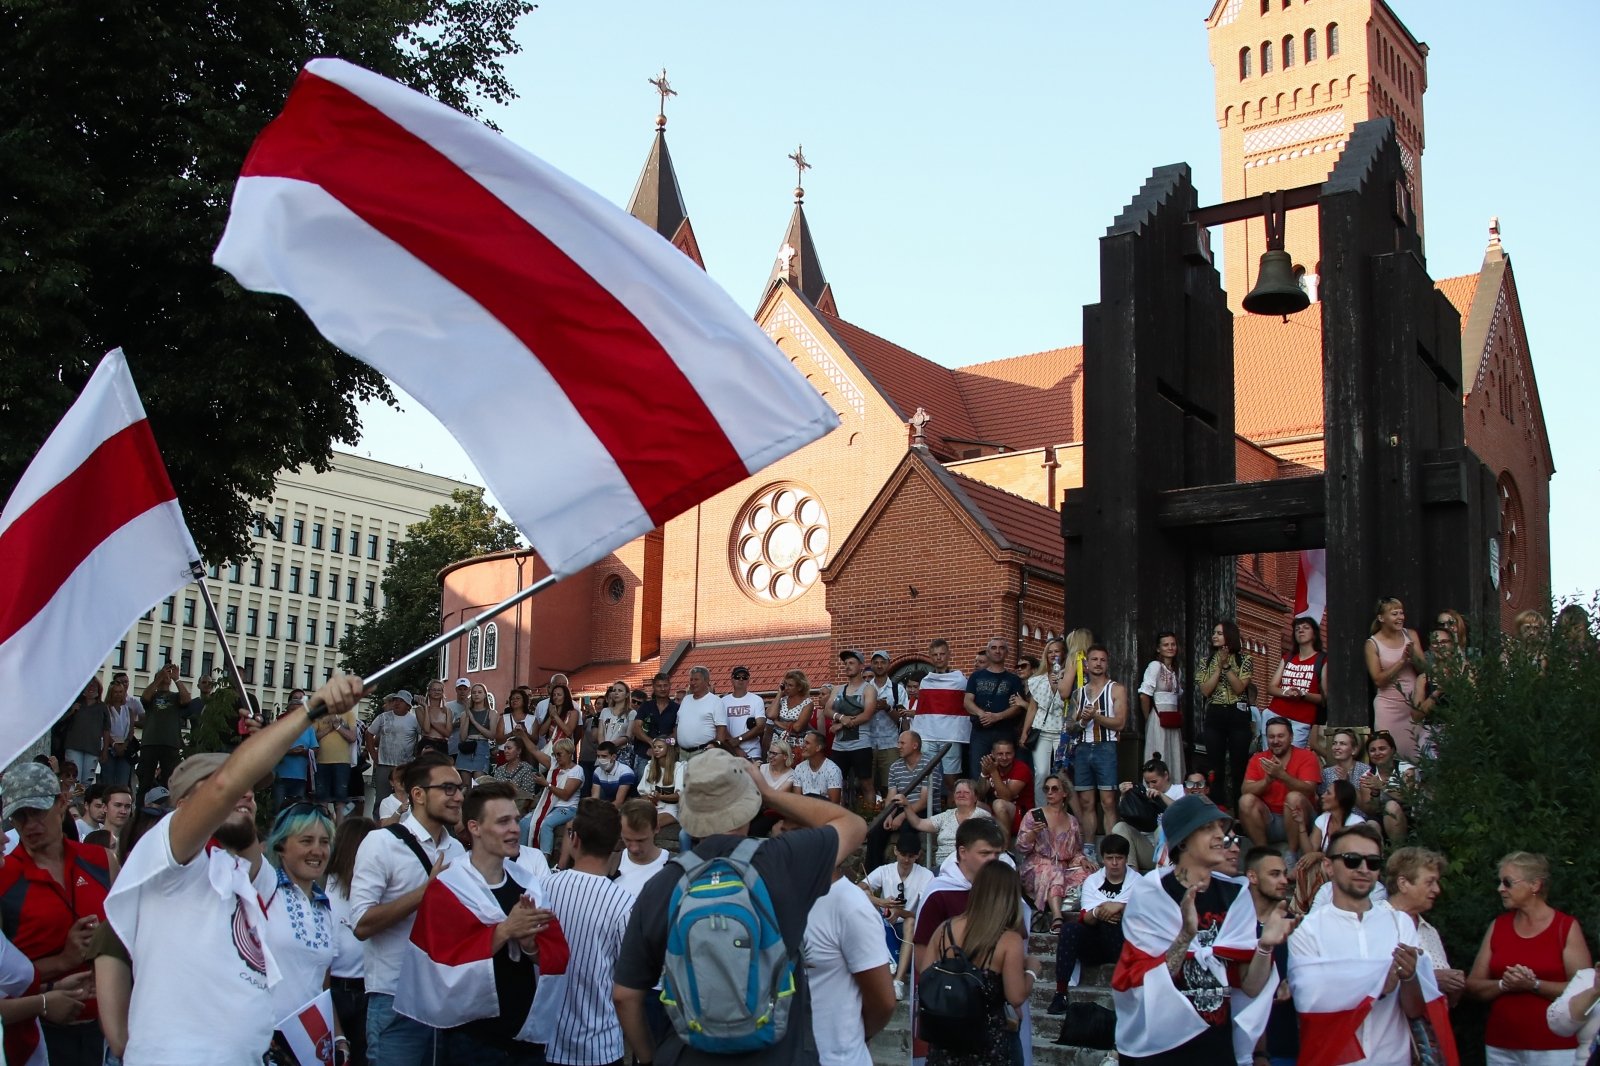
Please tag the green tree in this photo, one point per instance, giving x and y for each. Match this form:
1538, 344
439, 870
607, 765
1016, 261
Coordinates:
122, 130
465, 527
1515, 771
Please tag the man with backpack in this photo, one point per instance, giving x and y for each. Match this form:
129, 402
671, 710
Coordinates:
767, 887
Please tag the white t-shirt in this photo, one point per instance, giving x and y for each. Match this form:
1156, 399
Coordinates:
1325, 817
85, 827
740, 709
192, 933
532, 862
885, 883
675, 786
1161, 685
631, 876
347, 950
389, 805
698, 718
16, 974
1332, 933
844, 937
573, 773
809, 782
397, 737
1096, 891
615, 728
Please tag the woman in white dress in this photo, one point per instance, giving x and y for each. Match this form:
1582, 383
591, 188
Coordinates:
300, 924
662, 781
1159, 697
1046, 716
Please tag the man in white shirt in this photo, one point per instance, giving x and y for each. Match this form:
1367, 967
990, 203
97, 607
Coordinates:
896, 888
816, 774
187, 905
1325, 975
641, 858
847, 966
742, 706
393, 868
702, 719
1095, 938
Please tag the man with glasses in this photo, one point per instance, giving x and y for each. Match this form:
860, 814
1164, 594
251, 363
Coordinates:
393, 869
1357, 950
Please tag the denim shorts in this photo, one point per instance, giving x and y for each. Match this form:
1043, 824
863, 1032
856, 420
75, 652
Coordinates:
1094, 766
333, 781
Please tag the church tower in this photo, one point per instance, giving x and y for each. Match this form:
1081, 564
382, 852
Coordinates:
1293, 77
657, 201
797, 261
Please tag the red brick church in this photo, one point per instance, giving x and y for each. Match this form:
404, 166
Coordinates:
931, 510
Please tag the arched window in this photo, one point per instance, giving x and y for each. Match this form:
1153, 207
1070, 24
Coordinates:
474, 648
1266, 6
1288, 51
1244, 63
1266, 57
491, 646
1333, 39
1311, 46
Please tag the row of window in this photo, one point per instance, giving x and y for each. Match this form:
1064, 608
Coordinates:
312, 584
336, 539
208, 665
1268, 56
252, 622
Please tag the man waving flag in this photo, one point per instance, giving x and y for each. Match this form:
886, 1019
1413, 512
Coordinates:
91, 538
480, 279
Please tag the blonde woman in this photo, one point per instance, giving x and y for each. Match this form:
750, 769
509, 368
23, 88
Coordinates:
776, 771
662, 781
559, 803
615, 716
1398, 668
792, 708
1046, 715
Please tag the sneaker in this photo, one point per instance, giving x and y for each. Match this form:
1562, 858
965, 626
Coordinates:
899, 990
1058, 1005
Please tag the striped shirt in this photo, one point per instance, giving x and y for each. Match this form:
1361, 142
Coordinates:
593, 912
1098, 732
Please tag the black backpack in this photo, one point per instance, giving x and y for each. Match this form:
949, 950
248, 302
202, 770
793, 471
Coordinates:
951, 1013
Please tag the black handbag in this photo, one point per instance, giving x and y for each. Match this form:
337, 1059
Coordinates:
1139, 810
951, 1013
1089, 1025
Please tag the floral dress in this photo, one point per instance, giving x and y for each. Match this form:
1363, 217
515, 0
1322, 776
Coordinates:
1053, 862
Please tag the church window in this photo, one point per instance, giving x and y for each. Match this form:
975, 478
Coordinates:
1244, 63
1288, 52
780, 543
491, 645
616, 588
474, 648
1266, 57
1311, 45
1512, 538
1333, 39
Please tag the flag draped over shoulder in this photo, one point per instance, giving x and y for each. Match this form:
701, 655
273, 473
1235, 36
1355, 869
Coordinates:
91, 538
1153, 1016
482, 280
1334, 996
447, 974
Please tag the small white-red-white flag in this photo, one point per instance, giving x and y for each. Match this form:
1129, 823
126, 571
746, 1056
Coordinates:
1311, 585
309, 1031
91, 538
601, 382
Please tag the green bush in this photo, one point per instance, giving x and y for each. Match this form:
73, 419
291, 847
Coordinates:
1518, 744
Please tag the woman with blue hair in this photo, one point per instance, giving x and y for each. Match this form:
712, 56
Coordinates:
299, 930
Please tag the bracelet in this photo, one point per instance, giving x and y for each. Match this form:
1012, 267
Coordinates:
1264, 951
44, 1004
1501, 984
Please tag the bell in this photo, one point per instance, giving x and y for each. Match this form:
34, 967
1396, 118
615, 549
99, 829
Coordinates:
1277, 291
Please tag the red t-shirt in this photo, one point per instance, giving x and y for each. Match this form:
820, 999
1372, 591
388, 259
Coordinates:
1021, 771
1301, 764
1299, 674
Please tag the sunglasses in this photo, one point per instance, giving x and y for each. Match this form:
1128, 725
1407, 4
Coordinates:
1354, 861
1193, 786
1054, 788
1512, 882
1230, 840
303, 807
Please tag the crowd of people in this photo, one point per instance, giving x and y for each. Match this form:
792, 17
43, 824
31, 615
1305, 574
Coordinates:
525, 884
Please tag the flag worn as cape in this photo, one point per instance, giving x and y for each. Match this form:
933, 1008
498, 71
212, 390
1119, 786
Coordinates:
1334, 996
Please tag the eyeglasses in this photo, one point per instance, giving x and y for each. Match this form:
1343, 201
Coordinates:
1354, 860
1193, 786
449, 788
1511, 882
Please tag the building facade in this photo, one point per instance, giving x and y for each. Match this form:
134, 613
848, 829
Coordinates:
321, 544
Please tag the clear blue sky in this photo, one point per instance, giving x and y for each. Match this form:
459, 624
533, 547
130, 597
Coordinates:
967, 159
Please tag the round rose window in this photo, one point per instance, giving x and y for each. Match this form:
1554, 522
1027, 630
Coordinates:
780, 543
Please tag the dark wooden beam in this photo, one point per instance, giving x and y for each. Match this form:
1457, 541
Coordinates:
1252, 206
1265, 501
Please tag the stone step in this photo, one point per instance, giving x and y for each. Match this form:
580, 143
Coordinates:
892, 1046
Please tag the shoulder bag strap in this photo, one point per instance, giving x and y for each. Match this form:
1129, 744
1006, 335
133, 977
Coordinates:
403, 835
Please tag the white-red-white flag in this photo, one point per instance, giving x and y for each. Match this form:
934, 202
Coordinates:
1311, 585
1153, 1016
91, 538
1334, 998
601, 382
941, 708
309, 1031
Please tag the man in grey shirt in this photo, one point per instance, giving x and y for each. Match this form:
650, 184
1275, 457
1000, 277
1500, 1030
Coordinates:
392, 740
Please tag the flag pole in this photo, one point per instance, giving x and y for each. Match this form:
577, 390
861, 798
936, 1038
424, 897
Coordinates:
198, 569
372, 681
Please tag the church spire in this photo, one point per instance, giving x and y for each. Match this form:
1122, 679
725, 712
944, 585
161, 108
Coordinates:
798, 262
657, 201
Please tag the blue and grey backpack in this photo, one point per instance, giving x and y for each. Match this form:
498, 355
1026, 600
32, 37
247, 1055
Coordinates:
729, 979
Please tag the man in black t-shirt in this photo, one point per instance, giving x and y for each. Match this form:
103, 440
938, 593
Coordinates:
721, 794
996, 700
657, 717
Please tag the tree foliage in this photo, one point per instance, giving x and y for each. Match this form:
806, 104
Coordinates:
122, 130
465, 527
1515, 771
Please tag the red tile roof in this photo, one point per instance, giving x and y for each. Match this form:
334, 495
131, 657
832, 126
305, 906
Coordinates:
1460, 292
1277, 376
1027, 401
768, 661
596, 677
1024, 524
908, 380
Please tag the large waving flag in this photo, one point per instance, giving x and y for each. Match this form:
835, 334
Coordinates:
482, 280
91, 538
1334, 997
447, 974
1152, 1015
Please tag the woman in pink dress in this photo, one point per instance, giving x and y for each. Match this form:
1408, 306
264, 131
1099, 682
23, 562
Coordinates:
1396, 665
1051, 845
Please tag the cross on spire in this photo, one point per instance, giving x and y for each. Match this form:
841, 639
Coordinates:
663, 89
798, 157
